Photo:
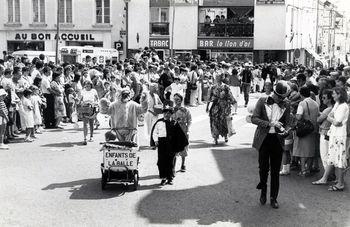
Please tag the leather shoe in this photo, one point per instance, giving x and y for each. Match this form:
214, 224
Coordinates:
263, 198
274, 204
163, 182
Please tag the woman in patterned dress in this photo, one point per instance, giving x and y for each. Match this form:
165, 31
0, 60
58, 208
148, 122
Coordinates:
183, 116
58, 91
221, 98
338, 152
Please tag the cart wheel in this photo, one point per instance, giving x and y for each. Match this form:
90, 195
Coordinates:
136, 181
104, 181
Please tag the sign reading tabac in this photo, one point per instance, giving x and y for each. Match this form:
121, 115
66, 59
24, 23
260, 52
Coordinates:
234, 43
159, 43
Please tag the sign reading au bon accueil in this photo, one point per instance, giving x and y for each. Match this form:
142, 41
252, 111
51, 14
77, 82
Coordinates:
234, 43
53, 36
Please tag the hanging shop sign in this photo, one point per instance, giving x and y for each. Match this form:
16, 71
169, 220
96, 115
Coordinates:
270, 1
159, 43
52, 36
118, 45
234, 43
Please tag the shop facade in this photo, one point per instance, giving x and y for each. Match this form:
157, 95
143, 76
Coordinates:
32, 24
46, 40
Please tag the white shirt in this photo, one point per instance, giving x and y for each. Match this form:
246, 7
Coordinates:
176, 88
159, 131
274, 113
45, 85
35, 73
89, 96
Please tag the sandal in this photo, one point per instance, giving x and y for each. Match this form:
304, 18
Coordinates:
319, 182
28, 140
335, 188
304, 173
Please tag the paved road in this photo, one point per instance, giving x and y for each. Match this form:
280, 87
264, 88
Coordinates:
55, 181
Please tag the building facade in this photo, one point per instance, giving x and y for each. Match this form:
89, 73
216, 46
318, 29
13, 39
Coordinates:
242, 30
32, 24
296, 31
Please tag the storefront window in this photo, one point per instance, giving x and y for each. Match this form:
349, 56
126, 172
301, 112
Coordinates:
103, 11
66, 11
184, 55
232, 56
25, 45
13, 11
159, 24
226, 22
38, 11
79, 43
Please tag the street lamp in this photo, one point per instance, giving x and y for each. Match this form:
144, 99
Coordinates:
172, 31
57, 31
126, 26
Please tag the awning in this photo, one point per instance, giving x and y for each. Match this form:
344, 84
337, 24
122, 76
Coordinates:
313, 53
317, 57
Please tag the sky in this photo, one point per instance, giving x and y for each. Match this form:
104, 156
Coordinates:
343, 5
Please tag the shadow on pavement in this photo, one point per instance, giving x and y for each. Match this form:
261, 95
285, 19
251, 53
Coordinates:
63, 144
235, 199
90, 189
200, 144
150, 177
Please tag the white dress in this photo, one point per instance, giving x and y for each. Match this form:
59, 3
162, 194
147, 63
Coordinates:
338, 152
28, 113
36, 101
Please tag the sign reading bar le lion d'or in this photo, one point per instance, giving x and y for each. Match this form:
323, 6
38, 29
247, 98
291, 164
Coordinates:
270, 1
234, 43
159, 43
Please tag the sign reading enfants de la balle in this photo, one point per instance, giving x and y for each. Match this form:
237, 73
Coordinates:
234, 43
51, 36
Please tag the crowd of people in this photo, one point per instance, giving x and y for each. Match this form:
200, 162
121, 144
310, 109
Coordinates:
303, 123
35, 95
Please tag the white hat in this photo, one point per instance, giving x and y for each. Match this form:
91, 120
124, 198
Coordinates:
348, 81
268, 80
3, 92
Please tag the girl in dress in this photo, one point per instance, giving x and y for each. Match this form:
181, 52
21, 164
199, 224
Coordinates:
3, 119
89, 96
37, 102
28, 115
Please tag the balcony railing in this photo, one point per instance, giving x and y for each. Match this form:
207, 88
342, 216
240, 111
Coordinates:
159, 28
226, 29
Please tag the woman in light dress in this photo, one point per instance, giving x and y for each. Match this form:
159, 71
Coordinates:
338, 148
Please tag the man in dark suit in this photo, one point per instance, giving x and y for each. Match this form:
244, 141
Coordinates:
271, 115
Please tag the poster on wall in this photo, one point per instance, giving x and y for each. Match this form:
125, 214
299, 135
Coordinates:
270, 1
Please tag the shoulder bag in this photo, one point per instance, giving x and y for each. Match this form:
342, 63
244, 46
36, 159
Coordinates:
304, 127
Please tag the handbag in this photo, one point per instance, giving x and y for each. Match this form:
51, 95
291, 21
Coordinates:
304, 127
85, 109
